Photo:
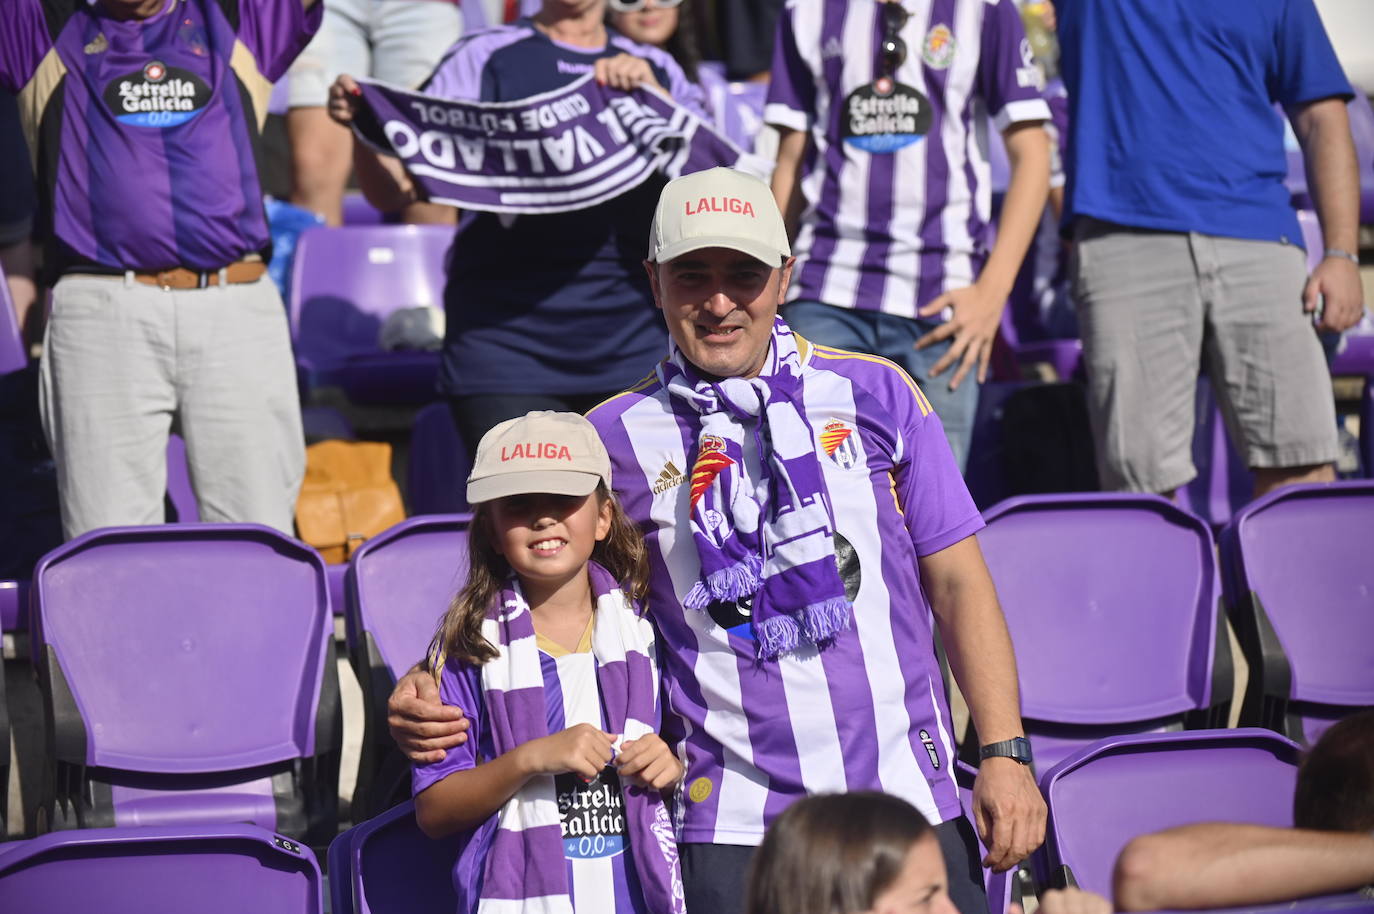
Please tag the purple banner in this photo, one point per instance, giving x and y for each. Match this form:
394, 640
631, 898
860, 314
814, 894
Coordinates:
564, 150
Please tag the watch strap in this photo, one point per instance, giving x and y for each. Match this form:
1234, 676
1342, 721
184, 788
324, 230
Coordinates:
1017, 748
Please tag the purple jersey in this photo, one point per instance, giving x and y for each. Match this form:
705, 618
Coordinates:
891, 230
144, 132
601, 874
869, 711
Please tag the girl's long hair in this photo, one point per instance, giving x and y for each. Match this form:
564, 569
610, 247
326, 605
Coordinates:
460, 632
832, 854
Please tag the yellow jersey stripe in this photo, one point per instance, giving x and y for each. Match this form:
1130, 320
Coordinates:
827, 352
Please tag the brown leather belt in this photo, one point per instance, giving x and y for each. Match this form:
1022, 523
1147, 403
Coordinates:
182, 278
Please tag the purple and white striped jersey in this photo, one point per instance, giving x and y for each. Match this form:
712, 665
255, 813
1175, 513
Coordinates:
597, 851
144, 133
867, 712
891, 231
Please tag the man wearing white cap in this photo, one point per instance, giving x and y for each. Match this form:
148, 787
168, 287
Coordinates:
806, 525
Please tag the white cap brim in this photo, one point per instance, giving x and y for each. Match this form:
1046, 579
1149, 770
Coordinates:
756, 249
553, 482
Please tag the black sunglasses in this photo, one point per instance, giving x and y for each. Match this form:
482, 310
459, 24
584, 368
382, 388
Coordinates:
892, 49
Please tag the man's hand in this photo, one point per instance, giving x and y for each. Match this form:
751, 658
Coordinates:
977, 315
649, 762
1008, 812
423, 726
582, 749
343, 99
1337, 281
625, 72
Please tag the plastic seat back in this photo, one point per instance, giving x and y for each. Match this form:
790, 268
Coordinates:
1300, 590
1119, 788
1111, 600
226, 869
182, 662
345, 282
387, 864
399, 585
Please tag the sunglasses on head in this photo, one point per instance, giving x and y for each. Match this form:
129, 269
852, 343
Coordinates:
892, 49
634, 6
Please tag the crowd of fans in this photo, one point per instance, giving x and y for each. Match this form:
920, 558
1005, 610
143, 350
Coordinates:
1152, 174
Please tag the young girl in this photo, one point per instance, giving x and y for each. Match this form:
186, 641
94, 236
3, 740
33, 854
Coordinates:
560, 782
849, 853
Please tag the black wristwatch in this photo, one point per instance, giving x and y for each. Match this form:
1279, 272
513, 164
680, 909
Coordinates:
1017, 748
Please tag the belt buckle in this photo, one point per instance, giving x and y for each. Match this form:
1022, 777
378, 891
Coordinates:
164, 279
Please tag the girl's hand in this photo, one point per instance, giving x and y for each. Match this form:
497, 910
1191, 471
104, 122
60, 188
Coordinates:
582, 749
343, 99
625, 72
649, 762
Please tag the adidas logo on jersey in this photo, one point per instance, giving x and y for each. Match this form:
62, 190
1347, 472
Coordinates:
668, 478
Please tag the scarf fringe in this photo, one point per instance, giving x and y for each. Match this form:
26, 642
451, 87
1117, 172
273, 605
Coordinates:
729, 584
776, 635
823, 621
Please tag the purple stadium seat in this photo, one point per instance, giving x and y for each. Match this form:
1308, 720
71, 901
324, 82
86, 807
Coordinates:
4, 746
12, 354
439, 463
1367, 428
345, 282
14, 606
400, 583
1112, 603
386, 864
1300, 592
357, 211
1223, 482
181, 497
1121, 787
221, 869
188, 676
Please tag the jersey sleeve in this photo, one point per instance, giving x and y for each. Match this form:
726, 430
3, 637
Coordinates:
1008, 79
275, 31
791, 100
25, 37
460, 685
458, 75
936, 506
1306, 66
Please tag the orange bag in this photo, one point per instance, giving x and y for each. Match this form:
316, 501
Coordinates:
348, 496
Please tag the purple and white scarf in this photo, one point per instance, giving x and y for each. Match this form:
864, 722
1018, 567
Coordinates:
772, 538
566, 149
524, 869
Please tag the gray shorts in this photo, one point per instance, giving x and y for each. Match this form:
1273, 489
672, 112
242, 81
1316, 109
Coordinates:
396, 41
1154, 307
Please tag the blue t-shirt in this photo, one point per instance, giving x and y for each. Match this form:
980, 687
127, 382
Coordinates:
554, 303
1171, 116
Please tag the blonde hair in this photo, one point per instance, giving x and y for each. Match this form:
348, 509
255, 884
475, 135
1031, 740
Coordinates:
459, 635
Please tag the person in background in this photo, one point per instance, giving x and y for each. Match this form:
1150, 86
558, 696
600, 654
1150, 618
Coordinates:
1188, 252
155, 236
848, 853
395, 41
1329, 849
892, 219
736, 107
548, 311
17, 204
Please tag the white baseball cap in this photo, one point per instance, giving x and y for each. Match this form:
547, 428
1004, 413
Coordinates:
718, 208
546, 451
